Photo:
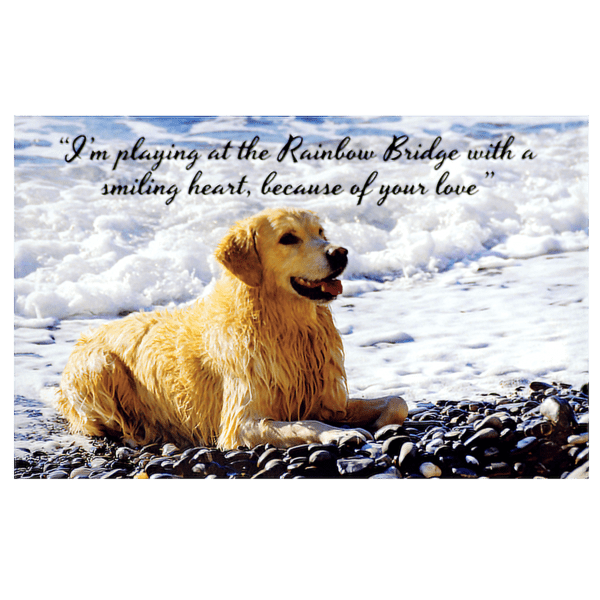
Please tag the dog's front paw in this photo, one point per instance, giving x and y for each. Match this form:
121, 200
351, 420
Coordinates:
355, 437
395, 412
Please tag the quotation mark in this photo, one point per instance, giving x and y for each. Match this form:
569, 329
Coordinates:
489, 174
66, 140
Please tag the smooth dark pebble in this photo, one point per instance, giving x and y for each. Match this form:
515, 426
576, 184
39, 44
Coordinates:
57, 474
275, 467
392, 445
206, 455
536, 386
489, 421
329, 447
114, 474
299, 450
320, 456
268, 455
527, 444
387, 431
483, 435
206, 469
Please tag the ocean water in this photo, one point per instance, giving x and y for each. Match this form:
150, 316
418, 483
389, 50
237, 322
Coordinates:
467, 236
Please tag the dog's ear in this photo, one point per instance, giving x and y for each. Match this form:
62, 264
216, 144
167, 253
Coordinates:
237, 252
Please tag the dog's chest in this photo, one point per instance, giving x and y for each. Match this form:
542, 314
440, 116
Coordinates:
299, 371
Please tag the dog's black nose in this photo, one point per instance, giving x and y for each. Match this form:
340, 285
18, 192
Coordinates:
337, 257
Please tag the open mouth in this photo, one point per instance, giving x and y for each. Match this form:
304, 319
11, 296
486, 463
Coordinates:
323, 289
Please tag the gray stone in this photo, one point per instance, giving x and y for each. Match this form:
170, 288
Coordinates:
57, 474
407, 453
354, 466
80, 473
428, 470
584, 438
581, 472
559, 412
169, 450
124, 453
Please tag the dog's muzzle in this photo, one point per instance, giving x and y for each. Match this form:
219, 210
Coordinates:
328, 288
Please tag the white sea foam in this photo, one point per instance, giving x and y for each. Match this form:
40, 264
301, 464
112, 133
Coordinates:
413, 327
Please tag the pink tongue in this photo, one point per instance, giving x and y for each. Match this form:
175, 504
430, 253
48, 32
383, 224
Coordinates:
332, 287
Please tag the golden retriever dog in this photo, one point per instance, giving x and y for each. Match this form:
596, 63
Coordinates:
256, 360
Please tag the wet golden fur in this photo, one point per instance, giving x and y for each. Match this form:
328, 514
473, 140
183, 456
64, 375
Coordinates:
251, 362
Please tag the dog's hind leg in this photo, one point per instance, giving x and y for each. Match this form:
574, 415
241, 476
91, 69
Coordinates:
97, 395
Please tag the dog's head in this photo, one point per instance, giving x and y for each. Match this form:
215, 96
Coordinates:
286, 248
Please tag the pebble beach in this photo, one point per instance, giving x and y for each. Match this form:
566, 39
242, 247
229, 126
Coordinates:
535, 431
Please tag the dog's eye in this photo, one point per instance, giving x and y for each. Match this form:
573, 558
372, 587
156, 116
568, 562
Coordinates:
288, 239
322, 233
